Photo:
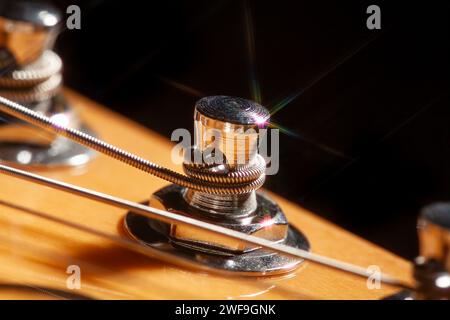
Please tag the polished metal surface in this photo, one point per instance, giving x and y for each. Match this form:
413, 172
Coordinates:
228, 127
25, 145
62, 153
233, 110
434, 234
17, 131
27, 29
268, 222
170, 217
30, 74
271, 227
51, 125
37, 93
226, 138
433, 281
36, 72
432, 267
253, 263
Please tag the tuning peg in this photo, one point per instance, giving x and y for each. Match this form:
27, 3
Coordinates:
229, 126
27, 29
30, 74
432, 266
434, 234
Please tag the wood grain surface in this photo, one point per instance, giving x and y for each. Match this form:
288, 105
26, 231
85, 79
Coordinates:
35, 254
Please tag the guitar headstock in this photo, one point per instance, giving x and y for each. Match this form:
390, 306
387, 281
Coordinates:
91, 217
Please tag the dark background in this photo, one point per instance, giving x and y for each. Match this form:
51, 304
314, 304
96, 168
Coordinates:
370, 127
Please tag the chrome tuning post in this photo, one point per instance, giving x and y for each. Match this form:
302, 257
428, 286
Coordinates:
212, 218
432, 267
226, 128
30, 74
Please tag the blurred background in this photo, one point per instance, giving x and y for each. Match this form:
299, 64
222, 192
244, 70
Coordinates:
364, 114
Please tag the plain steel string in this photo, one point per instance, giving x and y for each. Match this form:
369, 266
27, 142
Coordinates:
127, 245
170, 217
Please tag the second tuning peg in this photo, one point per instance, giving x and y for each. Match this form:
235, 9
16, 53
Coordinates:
31, 74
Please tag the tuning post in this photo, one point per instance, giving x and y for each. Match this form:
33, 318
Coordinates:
226, 129
153, 227
432, 266
212, 195
27, 30
31, 74
223, 194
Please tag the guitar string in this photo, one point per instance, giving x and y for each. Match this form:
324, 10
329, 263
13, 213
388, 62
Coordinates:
384, 279
262, 283
169, 217
57, 258
43, 121
28, 115
203, 182
233, 184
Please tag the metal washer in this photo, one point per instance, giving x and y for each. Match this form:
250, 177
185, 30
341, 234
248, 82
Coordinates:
255, 263
62, 154
38, 156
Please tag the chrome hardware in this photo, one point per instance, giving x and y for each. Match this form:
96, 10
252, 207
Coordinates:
257, 262
432, 267
27, 29
267, 221
434, 234
226, 145
30, 74
229, 127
